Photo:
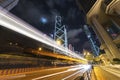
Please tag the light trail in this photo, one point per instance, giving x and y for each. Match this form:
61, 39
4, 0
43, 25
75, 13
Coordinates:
62, 72
49, 75
74, 74
16, 24
83, 68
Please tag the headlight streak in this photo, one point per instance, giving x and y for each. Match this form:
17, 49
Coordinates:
75, 68
80, 71
62, 72
11, 22
82, 66
87, 67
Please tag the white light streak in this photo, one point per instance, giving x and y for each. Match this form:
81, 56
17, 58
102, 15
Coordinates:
50, 75
78, 72
86, 67
14, 23
62, 72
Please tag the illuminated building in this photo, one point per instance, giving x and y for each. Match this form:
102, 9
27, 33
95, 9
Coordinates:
104, 17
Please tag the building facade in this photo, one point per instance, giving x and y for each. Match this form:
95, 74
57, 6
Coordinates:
104, 17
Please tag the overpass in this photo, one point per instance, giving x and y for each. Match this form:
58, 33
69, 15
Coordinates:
19, 54
16, 24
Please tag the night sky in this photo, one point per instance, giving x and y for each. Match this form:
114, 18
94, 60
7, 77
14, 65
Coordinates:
41, 14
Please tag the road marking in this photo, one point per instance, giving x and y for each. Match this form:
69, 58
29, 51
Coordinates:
55, 73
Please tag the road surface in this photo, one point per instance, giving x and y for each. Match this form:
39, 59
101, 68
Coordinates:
63, 73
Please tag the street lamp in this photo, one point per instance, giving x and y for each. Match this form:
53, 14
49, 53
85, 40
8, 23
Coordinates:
40, 49
59, 42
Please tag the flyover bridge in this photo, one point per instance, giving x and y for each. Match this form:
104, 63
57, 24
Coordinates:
14, 23
24, 46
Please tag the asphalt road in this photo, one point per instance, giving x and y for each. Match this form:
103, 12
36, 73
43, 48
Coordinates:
63, 73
